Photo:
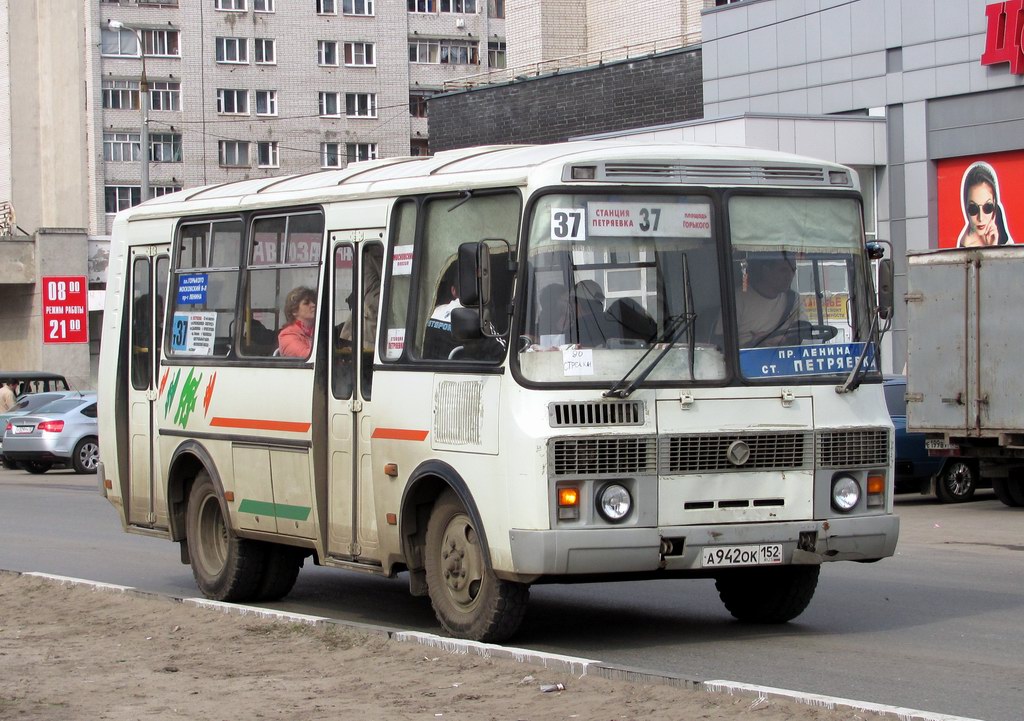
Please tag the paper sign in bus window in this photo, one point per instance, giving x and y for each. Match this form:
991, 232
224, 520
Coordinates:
396, 343
402, 260
192, 289
578, 362
193, 333
568, 224
650, 220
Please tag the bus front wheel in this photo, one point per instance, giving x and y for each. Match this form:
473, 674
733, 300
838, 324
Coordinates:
226, 567
468, 599
767, 594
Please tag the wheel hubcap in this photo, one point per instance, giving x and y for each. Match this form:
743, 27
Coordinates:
89, 456
461, 561
958, 480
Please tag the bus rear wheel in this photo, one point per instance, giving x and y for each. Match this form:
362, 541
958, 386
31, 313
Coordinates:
767, 595
468, 599
226, 567
280, 572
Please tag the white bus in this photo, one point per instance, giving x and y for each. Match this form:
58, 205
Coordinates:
501, 366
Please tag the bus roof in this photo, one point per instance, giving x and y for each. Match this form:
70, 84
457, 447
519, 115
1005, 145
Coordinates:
614, 160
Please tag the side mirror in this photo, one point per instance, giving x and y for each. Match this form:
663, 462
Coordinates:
885, 288
469, 274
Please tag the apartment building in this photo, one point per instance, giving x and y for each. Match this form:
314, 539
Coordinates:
243, 89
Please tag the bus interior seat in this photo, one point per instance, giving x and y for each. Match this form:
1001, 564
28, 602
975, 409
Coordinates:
635, 322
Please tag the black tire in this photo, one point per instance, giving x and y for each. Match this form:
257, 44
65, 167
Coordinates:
1002, 486
468, 599
226, 567
1015, 487
36, 467
957, 482
280, 571
86, 457
767, 595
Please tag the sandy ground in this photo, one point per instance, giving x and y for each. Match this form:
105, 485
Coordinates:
72, 652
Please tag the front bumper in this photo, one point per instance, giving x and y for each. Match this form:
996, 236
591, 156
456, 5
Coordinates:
598, 551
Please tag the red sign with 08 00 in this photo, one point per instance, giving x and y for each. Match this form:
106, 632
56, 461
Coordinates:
65, 309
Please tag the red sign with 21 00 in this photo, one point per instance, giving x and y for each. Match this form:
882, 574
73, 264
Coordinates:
65, 309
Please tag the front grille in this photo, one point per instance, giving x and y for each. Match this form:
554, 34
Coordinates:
632, 455
853, 448
703, 453
596, 413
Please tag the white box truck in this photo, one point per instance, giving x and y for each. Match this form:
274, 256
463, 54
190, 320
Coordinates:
965, 376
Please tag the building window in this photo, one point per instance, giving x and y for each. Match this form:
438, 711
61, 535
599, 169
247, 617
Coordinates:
496, 53
266, 102
232, 50
121, 147
418, 104
266, 154
161, 43
360, 151
330, 105
330, 155
265, 51
155, 191
121, 197
360, 105
360, 54
165, 147
119, 43
233, 153
496, 8
422, 6
357, 7
263, 6
326, 7
327, 52
232, 102
165, 96
419, 146
120, 94
231, 5
445, 52
458, 6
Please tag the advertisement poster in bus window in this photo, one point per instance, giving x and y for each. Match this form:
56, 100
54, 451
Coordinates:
981, 200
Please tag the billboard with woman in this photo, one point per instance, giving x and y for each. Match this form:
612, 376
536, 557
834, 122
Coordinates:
978, 199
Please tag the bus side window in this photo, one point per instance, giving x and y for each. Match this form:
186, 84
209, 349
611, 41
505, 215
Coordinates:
372, 263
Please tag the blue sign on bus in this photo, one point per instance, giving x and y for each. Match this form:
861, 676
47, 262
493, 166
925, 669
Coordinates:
803, 360
192, 289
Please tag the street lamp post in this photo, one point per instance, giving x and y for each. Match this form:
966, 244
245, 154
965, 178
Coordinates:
144, 103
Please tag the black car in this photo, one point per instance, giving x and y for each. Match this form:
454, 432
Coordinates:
951, 478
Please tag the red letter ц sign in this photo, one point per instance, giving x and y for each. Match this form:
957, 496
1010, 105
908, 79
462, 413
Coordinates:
1003, 40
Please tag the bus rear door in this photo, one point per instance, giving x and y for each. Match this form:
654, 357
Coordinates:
150, 265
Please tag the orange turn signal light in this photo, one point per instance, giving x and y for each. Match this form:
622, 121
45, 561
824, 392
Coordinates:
568, 497
876, 484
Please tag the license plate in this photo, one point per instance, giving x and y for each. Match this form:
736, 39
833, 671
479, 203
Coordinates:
22, 430
762, 555
937, 444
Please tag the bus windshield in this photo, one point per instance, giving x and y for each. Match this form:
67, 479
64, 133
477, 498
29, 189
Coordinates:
621, 286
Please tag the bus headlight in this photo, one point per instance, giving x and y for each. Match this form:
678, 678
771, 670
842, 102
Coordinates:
845, 492
614, 502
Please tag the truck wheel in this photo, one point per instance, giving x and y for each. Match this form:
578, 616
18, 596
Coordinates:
279, 572
1002, 486
468, 599
226, 567
767, 595
956, 482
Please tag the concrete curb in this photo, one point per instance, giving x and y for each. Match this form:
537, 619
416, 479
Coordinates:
573, 665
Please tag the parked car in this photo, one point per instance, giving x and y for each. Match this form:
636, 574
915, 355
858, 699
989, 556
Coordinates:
63, 433
950, 478
29, 403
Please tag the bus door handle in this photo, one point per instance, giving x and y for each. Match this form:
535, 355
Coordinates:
355, 405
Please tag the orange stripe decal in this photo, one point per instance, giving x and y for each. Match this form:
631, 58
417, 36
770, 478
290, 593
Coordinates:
254, 424
399, 434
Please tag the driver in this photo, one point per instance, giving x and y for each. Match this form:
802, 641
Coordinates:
768, 310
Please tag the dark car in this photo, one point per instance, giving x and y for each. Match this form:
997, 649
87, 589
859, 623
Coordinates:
952, 479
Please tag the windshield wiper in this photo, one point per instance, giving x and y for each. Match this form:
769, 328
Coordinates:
854, 379
673, 330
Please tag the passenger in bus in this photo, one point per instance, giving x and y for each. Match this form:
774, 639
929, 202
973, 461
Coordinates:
594, 324
768, 310
438, 340
296, 339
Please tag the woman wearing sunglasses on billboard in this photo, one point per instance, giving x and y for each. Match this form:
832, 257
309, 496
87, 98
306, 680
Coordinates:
985, 222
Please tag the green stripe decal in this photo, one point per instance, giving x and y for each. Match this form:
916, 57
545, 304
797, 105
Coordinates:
278, 510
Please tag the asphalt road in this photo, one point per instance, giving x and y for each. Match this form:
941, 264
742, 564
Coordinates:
937, 628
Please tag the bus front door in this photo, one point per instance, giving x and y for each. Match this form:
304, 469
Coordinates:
149, 269
352, 525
